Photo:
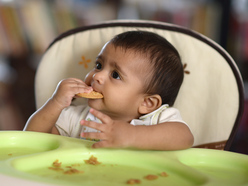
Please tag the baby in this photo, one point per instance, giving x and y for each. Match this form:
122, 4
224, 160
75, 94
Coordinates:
139, 74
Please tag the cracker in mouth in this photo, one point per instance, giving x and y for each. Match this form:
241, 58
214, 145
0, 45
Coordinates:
91, 95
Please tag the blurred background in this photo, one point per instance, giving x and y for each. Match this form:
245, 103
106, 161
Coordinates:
27, 27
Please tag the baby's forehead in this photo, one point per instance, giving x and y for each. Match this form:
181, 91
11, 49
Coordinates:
132, 50
143, 66
140, 59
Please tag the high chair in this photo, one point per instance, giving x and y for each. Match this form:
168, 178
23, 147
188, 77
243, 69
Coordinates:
212, 94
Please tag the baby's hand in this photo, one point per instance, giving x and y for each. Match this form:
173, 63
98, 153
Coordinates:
67, 89
114, 134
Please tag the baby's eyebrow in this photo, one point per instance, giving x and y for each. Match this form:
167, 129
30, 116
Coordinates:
99, 57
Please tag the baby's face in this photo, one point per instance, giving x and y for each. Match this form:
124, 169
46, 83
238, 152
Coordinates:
120, 76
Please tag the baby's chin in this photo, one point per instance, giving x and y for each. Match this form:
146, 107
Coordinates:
98, 104
95, 103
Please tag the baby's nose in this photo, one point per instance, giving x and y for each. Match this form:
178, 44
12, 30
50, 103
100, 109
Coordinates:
99, 77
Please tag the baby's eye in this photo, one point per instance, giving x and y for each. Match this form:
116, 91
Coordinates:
98, 66
115, 75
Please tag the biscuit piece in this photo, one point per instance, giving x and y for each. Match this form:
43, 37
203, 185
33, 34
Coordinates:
92, 160
133, 181
151, 177
91, 95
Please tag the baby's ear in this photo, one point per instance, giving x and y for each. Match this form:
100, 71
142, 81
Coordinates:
150, 103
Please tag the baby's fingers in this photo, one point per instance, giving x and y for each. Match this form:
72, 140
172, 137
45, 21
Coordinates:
103, 117
94, 125
74, 86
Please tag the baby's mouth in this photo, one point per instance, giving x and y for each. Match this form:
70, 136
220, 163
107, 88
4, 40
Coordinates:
98, 92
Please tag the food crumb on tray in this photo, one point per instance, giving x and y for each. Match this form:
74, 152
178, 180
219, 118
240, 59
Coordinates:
56, 166
92, 160
56, 163
164, 174
151, 177
72, 171
133, 181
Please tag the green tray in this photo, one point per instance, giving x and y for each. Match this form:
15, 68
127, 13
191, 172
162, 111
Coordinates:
27, 156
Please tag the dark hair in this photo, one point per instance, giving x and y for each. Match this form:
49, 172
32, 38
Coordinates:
167, 74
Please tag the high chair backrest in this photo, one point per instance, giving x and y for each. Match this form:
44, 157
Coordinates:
210, 99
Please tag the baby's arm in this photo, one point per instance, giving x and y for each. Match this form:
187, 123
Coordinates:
163, 136
44, 119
